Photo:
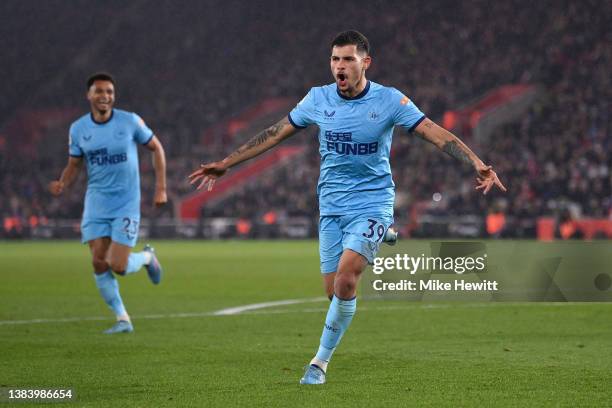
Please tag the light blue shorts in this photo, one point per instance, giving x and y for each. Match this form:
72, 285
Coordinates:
123, 230
361, 233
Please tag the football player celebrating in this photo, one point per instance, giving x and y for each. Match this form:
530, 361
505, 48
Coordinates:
106, 140
356, 118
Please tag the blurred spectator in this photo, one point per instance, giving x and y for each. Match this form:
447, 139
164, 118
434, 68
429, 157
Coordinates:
567, 228
496, 223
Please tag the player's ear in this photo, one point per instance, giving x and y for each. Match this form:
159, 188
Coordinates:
367, 60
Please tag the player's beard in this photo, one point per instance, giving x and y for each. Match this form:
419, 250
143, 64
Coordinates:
345, 85
103, 109
360, 81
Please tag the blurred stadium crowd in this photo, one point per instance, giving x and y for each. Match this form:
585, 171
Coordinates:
184, 69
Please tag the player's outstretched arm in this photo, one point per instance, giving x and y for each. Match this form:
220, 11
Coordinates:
264, 140
69, 174
159, 164
446, 141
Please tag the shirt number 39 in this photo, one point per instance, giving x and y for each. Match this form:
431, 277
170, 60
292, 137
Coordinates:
375, 228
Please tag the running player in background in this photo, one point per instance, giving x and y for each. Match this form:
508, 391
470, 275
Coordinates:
356, 118
106, 140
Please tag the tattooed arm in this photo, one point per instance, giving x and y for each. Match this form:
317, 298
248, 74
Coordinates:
261, 142
453, 146
258, 144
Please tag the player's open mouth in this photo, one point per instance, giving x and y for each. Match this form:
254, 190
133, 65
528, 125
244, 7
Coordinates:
341, 79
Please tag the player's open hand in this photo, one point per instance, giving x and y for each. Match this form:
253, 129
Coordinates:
56, 187
160, 197
487, 178
208, 174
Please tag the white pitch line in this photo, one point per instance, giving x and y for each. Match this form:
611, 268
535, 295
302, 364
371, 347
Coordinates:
360, 309
57, 320
222, 312
264, 305
255, 308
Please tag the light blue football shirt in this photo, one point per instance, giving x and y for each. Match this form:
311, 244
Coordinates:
110, 150
355, 143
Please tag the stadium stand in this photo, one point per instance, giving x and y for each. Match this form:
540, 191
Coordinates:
199, 67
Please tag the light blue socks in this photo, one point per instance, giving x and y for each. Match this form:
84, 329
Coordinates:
109, 289
135, 261
338, 319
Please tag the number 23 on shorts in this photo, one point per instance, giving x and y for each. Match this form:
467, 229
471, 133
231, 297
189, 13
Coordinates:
130, 227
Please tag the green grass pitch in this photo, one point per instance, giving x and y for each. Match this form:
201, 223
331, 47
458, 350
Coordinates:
395, 353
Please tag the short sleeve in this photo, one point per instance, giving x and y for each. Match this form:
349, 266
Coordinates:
142, 133
406, 113
304, 113
73, 143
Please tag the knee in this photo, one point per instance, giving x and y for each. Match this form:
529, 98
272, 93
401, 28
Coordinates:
117, 266
345, 284
99, 265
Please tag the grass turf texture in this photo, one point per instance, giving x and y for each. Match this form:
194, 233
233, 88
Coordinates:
395, 353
